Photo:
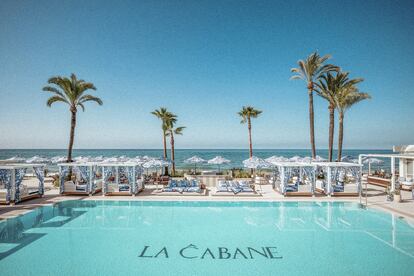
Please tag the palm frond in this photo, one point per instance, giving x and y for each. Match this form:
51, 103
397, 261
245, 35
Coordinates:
54, 99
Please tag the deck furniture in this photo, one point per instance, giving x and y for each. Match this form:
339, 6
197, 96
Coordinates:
80, 178
294, 178
234, 188
339, 179
122, 178
19, 182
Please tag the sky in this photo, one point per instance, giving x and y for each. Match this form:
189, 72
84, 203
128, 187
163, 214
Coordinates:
203, 60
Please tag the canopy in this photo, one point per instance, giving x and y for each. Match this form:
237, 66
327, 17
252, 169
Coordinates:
218, 160
195, 160
37, 159
256, 163
58, 159
295, 158
275, 159
349, 158
319, 158
372, 160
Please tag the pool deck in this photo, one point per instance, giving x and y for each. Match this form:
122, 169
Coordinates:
376, 199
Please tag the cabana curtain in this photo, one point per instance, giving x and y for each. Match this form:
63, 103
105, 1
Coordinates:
63, 173
5, 177
85, 173
18, 174
40, 173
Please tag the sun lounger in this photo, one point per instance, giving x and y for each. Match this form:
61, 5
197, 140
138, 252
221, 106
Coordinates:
233, 187
187, 187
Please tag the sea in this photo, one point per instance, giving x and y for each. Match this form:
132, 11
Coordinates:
236, 156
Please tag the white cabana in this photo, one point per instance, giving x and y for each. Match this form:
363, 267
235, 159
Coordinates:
339, 178
121, 178
218, 160
294, 178
80, 178
18, 184
405, 157
195, 160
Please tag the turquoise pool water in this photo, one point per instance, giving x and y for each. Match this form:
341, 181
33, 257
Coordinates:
206, 238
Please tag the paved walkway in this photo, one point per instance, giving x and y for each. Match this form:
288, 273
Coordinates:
376, 199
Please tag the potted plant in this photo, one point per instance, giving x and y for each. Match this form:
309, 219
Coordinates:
397, 194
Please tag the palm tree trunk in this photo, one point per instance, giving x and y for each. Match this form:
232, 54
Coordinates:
72, 133
249, 126
165, 151
311, 120
172, 152
340, 135
331, 131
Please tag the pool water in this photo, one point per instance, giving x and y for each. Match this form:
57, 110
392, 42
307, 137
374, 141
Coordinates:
91, 237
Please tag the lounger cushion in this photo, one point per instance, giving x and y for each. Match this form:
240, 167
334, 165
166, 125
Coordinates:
123, 188
81, 187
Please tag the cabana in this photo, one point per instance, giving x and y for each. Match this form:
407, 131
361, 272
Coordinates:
405, 177
338, 178
20, 182
122, 178
80, 178
294, 178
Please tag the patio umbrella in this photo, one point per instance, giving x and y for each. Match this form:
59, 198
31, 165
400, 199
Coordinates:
37, 159
306, 159
276, 159
58, 159
16, 159
295, 158
319, 158
218, 160
82, 159
99, 158
256, 163
195, 160
372, 160
348, 158
113, 159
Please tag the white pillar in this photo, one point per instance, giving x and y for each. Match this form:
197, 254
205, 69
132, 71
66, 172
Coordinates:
13, 186
392, 174
103, 182
329, 181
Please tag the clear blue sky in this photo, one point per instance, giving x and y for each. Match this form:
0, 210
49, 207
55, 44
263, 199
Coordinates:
203, 60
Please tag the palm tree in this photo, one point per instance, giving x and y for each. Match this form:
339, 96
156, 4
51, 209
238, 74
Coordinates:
72, 92
344, 100
328, 87
310, 70
170, 132
166, 118
247, 113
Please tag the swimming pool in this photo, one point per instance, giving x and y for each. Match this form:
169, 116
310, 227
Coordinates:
91, 237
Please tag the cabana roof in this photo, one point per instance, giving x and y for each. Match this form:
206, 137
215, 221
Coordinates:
19, 166
389, 155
